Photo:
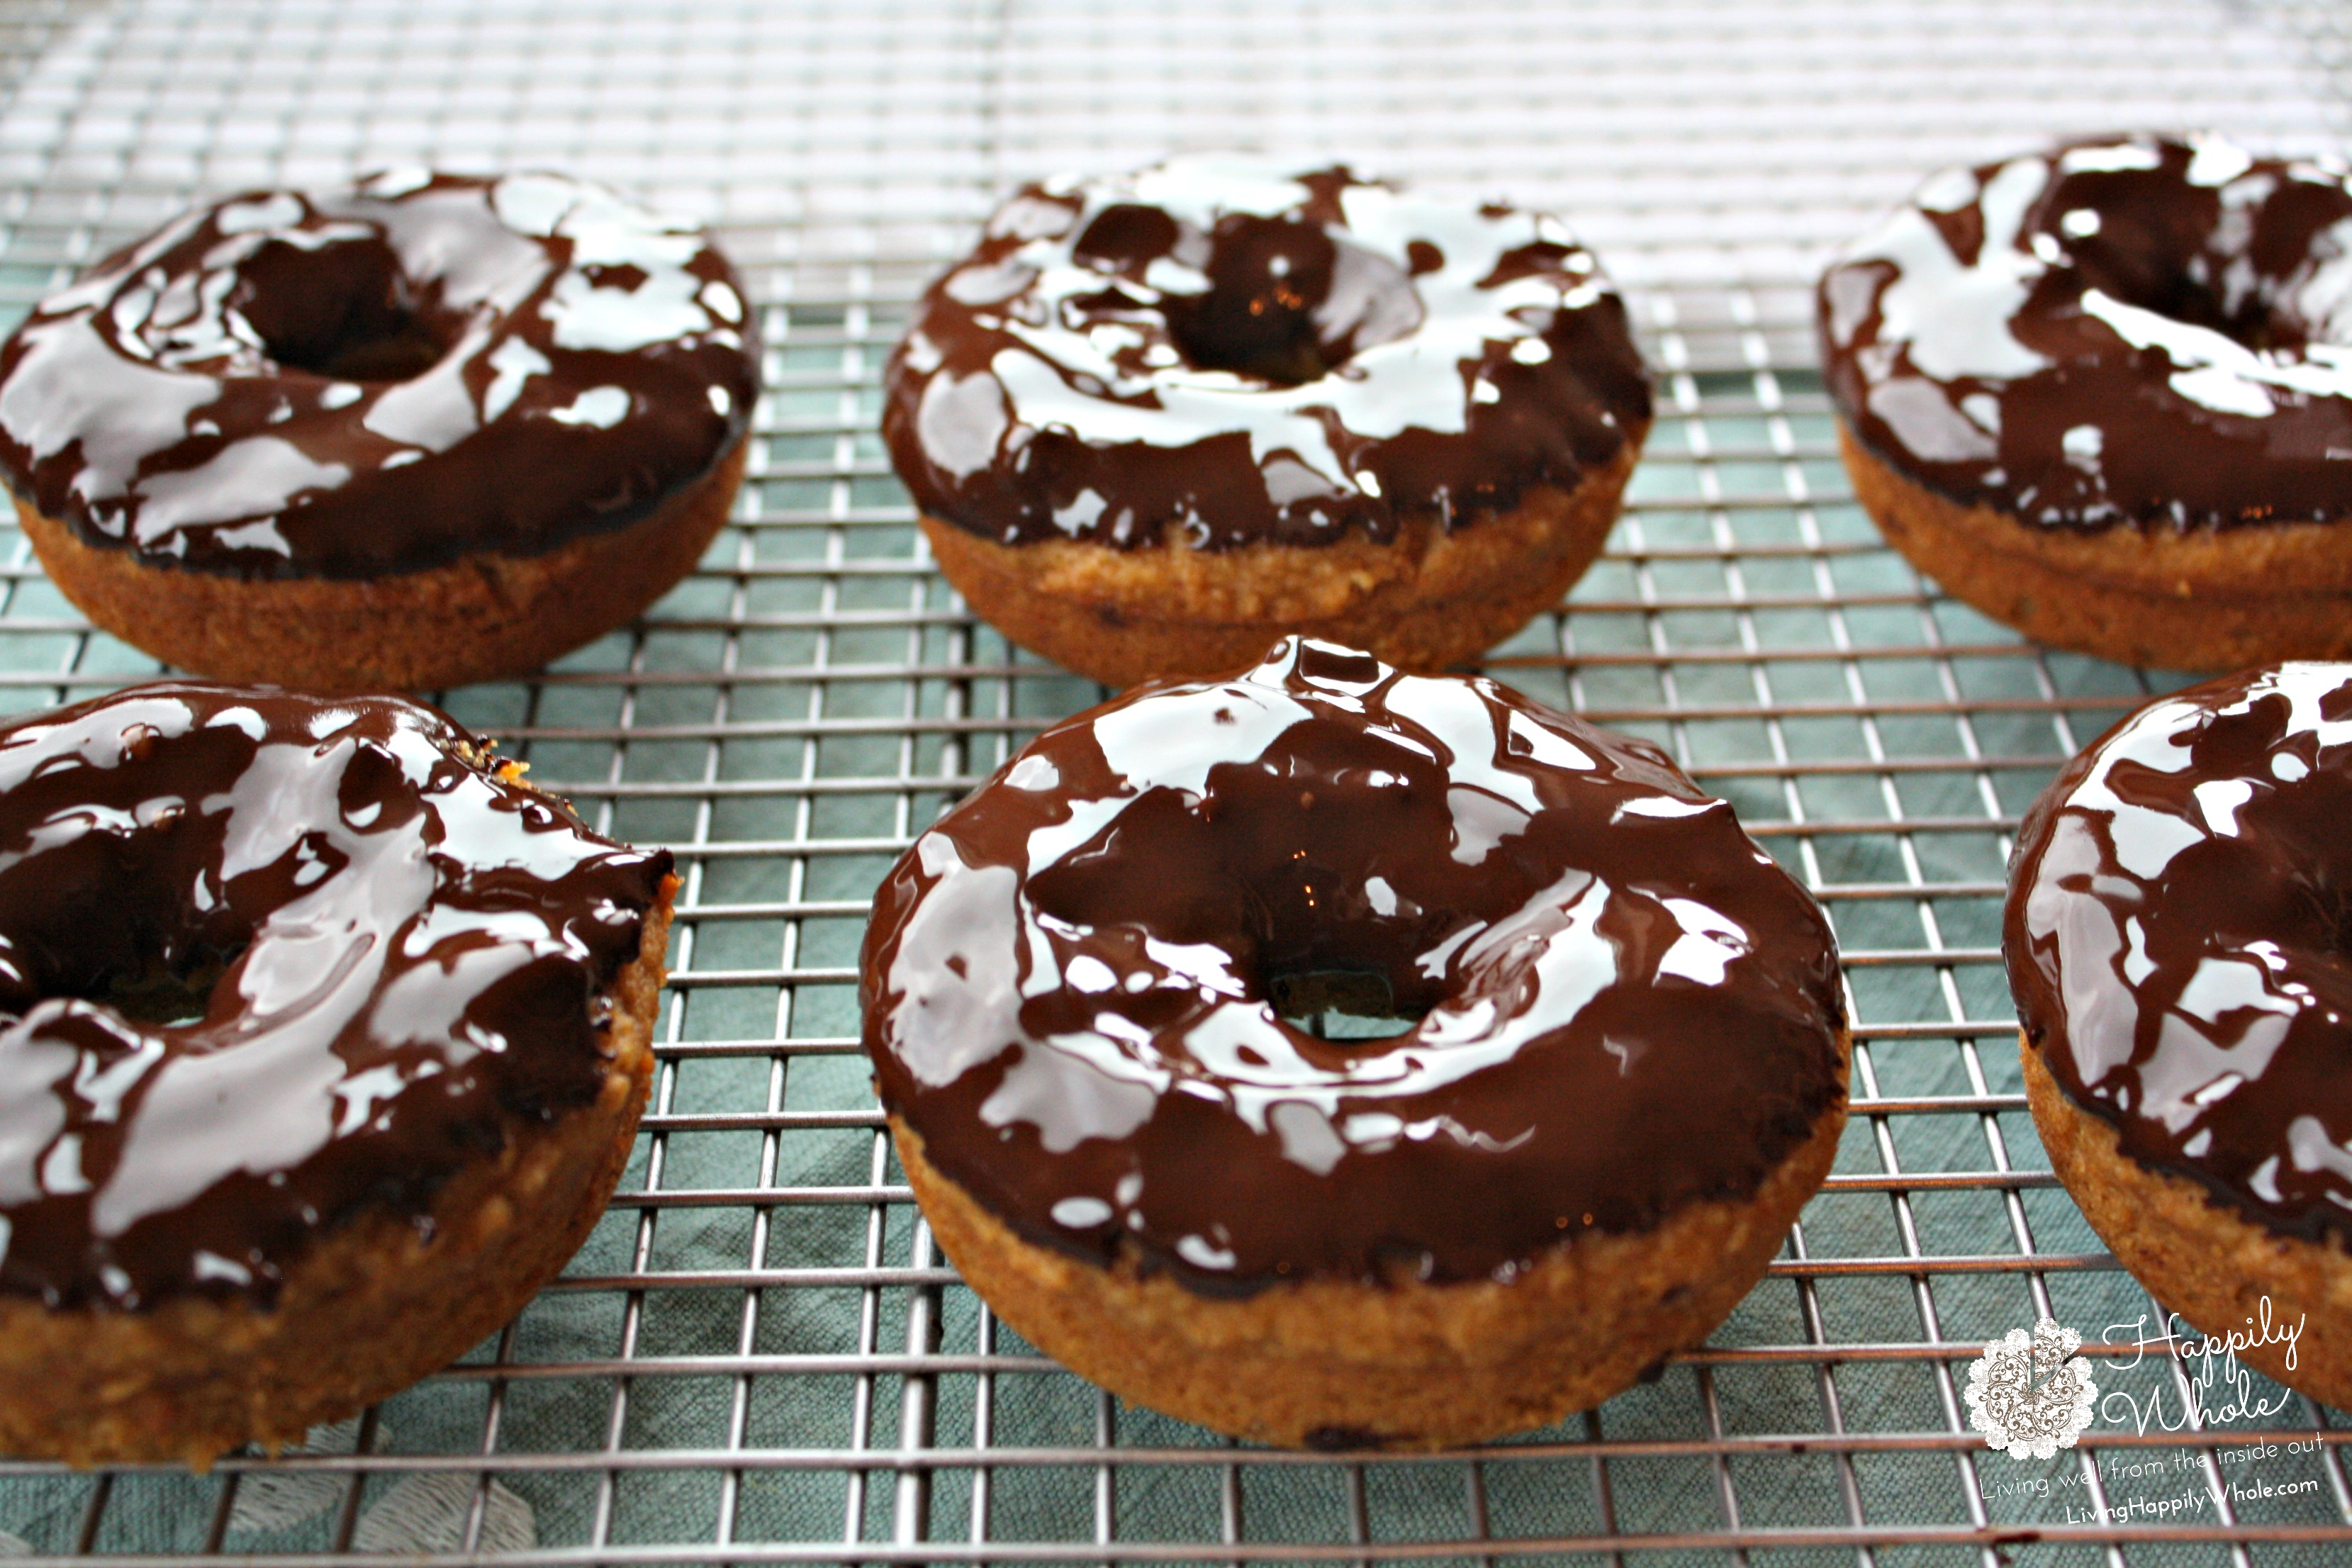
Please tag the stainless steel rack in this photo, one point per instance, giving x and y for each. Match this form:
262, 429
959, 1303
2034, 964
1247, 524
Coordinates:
761, 1356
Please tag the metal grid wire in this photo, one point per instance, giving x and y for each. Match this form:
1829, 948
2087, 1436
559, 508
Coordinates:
760, 1355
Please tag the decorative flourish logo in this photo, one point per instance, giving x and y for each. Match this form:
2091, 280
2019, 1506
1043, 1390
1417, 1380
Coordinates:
2029, 1395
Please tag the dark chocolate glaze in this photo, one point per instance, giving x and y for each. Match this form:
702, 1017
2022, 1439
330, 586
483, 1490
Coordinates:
380, 379
1628, 1006
2179, 938
2137, 330
1244, 354
397, 955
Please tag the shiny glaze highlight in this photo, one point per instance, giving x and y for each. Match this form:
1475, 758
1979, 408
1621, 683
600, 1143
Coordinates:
2176, 938
1628, 1006
393, 952
1221, 348
380, 379
2139, 331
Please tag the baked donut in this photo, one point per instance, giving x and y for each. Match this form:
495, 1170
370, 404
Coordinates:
322, 1042
1627, 1077
2104, 393
1153, 422
2176, 935
425, 430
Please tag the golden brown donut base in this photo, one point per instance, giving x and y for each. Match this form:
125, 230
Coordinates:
1430, 598
2198, 1258
375, 1304
483, 617
1330, 1364
2209, 599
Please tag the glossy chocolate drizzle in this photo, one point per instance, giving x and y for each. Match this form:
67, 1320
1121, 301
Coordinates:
1243, 354
380, 379
389, 955
1626, 1005
2137, 330
2179, 938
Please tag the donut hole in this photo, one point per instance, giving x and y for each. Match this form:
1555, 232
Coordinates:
345, 311
128, 926
163, 994
1288, 304
1340, 1003
2180, 286
146, 974
2166, 256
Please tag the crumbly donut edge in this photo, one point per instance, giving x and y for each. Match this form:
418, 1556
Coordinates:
2197, 1258
2202, 600
1429, 599
1402, 1365
484, 617
379, 1302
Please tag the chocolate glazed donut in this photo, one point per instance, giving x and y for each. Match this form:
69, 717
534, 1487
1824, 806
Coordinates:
1627, 1076
2179, 925
322, 1041
425, 430
2104, 394
1151, 422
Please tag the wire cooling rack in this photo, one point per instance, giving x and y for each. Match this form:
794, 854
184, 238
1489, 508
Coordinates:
760, 1355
